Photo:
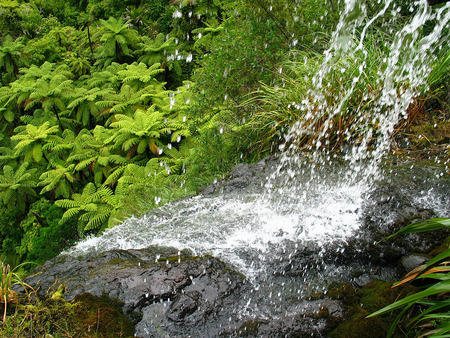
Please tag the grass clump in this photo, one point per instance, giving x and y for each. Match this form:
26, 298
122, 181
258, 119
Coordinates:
9, 278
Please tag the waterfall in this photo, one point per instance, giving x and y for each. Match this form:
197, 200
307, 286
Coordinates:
401, 78
312, 201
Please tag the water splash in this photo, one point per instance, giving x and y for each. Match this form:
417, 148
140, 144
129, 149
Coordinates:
401, 78
313, 202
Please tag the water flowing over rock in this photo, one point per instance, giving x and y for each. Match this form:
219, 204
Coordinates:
254, 291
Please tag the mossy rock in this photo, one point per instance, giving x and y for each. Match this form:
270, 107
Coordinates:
343, 292
249, 328
372, 297
378, 294
86, 316
101, 317
358, 326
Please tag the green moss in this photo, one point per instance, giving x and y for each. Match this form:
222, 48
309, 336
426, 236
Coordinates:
249, 328
343, 292
377, 294
359, 304
441, 248
358, 326
86, 316
101, 317
428, 129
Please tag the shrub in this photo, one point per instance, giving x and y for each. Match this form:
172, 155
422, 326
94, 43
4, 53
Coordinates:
44, 237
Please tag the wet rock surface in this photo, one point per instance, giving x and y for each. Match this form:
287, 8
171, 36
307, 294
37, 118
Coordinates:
166, 292
170, 293
162, 289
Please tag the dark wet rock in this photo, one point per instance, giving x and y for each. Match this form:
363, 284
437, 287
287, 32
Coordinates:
244, 177
412, 261
191, 294
170, 293
362, 280
309, 318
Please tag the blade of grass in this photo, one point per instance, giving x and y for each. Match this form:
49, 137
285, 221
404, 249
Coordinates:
440, 287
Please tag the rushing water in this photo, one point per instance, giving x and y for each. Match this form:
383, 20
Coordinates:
307, 203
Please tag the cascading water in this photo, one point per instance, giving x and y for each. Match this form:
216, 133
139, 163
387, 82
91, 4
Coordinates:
279, 229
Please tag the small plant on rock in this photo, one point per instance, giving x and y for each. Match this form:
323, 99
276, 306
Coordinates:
9, 278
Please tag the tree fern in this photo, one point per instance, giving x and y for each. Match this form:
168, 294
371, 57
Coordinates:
94, 207
92, 154
145, 126
31, 140
17, 186
132, 175
139, 75
11, 53
58, 180
107, 78
117, 41
60, 146
82, 103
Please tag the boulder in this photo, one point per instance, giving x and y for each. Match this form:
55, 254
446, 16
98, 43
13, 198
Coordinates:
162, 289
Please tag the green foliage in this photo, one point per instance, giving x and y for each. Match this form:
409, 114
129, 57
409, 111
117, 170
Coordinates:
435, 306
92, 156
222, 75
44, 237
18, 18
17, 186
54, 317
10, 232
11, 57
117, 42
83, 104
58, 181
31, 139
164, 52
94, 205
422, 226
8, 278
144, 132
339, 112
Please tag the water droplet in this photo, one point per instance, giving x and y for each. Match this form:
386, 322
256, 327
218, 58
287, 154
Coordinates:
177, 14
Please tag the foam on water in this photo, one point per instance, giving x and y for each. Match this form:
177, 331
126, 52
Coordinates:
229, 226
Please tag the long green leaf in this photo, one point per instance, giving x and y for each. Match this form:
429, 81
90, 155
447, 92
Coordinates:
438, 258
397, 320
440, 287
433, 306
439, 276
422, 226
442, 331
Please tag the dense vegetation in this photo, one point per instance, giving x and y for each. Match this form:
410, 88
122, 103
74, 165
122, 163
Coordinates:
110, 108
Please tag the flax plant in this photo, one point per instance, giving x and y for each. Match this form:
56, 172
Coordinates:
433, 302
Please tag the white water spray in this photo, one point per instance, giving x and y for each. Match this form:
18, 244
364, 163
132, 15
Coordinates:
401, 77
309, 199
